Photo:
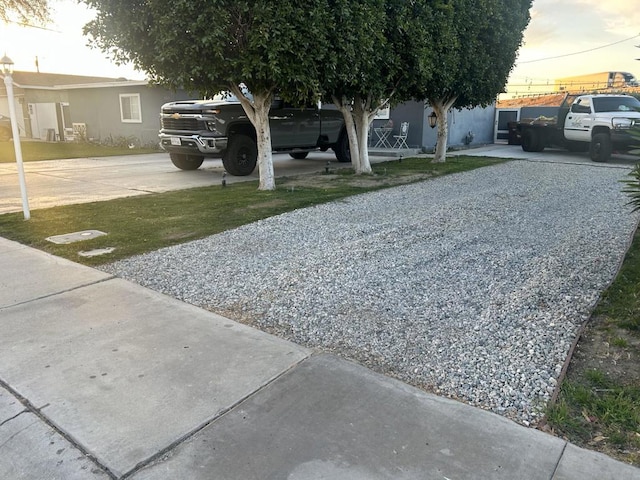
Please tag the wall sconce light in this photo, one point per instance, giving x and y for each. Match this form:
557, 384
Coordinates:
433, 118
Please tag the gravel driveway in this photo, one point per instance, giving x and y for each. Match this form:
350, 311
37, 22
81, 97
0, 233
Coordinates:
472, 285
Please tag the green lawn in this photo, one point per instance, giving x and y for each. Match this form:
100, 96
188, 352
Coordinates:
33, 151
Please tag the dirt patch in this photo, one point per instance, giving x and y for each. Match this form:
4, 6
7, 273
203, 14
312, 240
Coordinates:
333, 180
612, 350
615, 352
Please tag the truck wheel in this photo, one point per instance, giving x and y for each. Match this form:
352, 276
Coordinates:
186, 162
241, 156
600, 148
341, 148
532, 141
299, 155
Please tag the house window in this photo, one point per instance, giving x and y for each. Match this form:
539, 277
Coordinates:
130, 111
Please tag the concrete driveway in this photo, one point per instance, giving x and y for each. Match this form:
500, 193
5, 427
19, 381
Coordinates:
83, 180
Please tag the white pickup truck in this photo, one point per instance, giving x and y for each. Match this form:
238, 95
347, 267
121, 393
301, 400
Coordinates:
597, 123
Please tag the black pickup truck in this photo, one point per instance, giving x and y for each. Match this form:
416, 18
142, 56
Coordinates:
192, 130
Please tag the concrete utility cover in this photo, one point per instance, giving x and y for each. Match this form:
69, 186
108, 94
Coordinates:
75, 237
97, 252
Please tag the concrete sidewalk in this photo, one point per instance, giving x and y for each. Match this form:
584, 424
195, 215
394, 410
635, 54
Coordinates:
104, 379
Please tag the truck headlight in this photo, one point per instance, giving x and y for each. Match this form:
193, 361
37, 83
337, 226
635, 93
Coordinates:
623, 123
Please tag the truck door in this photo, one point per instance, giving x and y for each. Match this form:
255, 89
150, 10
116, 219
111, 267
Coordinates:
293, 126
577, 124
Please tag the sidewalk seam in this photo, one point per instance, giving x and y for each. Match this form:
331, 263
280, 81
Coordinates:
187, 436
30, 408
555, 469
111, 277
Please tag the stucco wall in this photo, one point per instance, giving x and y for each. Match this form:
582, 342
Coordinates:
99, 109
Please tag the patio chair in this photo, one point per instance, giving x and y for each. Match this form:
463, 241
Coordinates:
401, 138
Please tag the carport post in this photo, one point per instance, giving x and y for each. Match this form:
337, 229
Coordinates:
7, 66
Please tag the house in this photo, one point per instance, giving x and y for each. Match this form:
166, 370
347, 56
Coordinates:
58, 107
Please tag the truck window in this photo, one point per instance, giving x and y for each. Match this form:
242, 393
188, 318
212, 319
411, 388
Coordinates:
616, 104
583, 105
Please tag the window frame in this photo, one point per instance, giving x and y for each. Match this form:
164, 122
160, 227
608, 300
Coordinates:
139, 109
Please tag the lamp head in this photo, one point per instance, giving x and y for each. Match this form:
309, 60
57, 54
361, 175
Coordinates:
433, 118
7, 65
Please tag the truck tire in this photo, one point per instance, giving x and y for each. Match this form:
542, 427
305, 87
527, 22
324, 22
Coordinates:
186, 162
241, 156
299, 155
532, 141
600, 148
341, 148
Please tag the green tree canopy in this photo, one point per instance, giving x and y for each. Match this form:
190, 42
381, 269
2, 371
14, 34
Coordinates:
377, 49
476, 43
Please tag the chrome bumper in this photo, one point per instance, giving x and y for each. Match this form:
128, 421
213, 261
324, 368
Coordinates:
189, 143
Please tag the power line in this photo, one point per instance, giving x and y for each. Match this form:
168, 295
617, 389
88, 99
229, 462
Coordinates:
579, 53
22, 24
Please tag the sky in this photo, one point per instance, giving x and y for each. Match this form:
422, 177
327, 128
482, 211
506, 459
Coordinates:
61, 48
558, 28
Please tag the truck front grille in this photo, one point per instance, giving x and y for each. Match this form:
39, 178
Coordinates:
181, 124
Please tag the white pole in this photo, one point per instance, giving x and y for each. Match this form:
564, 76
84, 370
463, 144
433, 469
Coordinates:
8, 81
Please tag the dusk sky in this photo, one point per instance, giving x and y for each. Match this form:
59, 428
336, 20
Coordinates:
558, 28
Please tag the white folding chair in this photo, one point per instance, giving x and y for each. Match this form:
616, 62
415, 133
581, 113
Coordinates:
401, 139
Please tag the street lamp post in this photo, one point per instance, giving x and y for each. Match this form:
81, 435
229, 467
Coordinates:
7, 69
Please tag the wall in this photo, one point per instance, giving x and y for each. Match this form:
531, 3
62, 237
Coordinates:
99, 109
477, 122
22, 117
412, 112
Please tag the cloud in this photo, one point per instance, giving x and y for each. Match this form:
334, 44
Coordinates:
618, 18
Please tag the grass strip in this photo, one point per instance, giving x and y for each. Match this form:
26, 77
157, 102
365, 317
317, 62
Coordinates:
38, 151
145, 223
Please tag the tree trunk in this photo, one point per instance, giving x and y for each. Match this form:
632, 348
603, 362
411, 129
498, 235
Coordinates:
441, 107
358, 116
344, 105
258, 112
362, 118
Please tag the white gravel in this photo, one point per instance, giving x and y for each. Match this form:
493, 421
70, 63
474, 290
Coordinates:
472, 285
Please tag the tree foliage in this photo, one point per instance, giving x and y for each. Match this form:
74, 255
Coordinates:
476, 42
377, 48
26, 11
632, 187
